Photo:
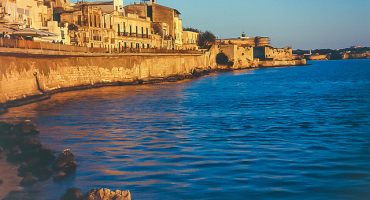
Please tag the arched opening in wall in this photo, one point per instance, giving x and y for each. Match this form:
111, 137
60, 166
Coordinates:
222, 59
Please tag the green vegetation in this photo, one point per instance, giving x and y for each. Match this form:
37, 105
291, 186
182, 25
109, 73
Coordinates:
206, 40
192, 29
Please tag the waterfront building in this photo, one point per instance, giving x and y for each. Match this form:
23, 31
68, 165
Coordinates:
25, 13
24, 18
271, 53
107, 25
190, 40
244, 41
112, 26
166, 21
88, 26
255, 48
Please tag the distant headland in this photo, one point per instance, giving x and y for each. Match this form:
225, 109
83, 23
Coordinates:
354, 52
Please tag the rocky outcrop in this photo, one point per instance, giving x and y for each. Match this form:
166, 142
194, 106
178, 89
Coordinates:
22, 147
106, 194
65, 165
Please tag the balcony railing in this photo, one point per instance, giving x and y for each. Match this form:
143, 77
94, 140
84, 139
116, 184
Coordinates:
28, 44
122, 34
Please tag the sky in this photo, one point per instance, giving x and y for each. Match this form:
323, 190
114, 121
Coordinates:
302, 24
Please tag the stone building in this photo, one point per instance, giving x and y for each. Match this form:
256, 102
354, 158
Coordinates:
32, 19
25, 13
271, 53
242, 56
168, 19
258, 48
244, 41
101, 24
190, 40
89, 26
110, 25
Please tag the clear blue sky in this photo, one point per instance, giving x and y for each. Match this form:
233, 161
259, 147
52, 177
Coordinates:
298, 23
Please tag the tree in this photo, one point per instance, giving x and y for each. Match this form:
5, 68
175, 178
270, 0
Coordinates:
206, 40
192, 29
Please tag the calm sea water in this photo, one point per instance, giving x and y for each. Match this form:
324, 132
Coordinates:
277, 133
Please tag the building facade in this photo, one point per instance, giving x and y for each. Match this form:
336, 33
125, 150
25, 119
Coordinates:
25, 13
271, 53
190, 40
100, 24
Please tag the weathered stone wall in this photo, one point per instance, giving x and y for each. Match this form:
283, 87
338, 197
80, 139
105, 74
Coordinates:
277, 63
27, 73
19, 74
241, 56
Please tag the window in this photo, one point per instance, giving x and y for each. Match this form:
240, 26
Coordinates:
118, 29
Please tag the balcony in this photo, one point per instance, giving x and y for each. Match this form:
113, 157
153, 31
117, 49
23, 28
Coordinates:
133, 35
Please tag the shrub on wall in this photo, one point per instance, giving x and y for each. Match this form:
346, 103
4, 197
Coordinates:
206, 40
222, 59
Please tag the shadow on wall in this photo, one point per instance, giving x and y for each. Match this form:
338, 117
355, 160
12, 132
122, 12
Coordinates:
222, 59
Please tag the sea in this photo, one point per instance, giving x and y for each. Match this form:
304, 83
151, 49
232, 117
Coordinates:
269, 133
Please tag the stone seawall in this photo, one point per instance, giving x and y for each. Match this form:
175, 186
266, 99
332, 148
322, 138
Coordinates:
26, 75
277, 63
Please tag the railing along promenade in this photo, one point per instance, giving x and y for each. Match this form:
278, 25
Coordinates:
28, 44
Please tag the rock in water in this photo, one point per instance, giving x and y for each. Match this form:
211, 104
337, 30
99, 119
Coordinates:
59, 176
64, 165
73, 194
1, 152
5, 128
106, 194
27, 127
123, 195
64, 159
28, 180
